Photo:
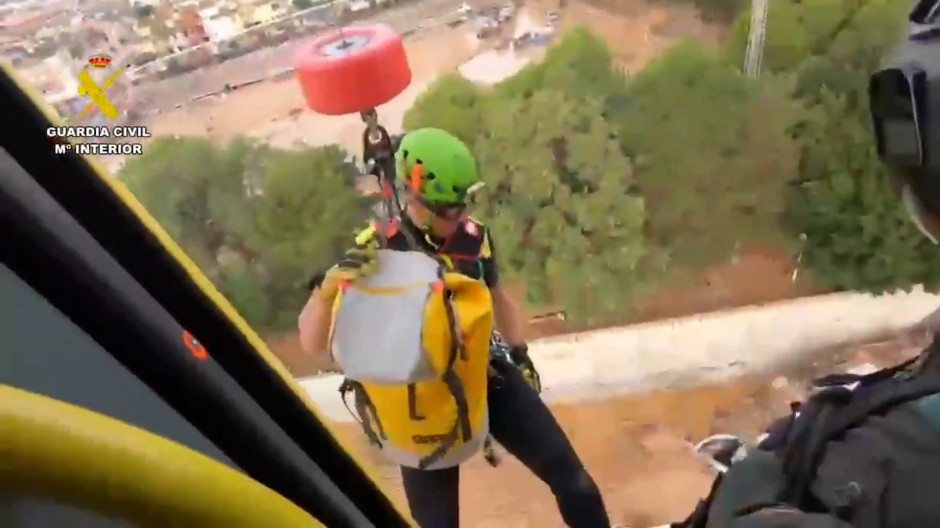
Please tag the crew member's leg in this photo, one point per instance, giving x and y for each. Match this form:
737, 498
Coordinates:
433, 496
523, 424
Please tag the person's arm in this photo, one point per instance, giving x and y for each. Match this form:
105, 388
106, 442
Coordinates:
316, 318
314, 323
509, 320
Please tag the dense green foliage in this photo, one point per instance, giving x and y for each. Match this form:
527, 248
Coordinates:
721, 161
713, 151
599, 186
256, 220
858, 236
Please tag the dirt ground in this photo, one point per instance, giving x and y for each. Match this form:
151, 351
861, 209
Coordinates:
638, 447
635, 31
753, 277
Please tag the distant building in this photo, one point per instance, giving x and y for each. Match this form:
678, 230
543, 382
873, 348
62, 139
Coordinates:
143, 32
190, 23
54, 78
263, 14
220, 27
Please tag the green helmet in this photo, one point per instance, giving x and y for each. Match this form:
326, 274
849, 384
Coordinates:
437, 167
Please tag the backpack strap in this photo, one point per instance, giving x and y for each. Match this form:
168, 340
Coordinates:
855, 412
462, 428
805, 444
844, 402
365, 409
831, 380
413, 403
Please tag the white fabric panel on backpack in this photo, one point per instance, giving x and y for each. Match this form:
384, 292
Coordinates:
378, 333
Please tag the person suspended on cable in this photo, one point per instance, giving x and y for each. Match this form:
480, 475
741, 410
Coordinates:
863, 450
364, 302
377, 147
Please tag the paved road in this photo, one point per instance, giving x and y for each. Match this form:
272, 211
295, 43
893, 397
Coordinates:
167, 93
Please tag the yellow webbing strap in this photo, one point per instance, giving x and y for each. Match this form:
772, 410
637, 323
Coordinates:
204, 284
366, 235
71, 455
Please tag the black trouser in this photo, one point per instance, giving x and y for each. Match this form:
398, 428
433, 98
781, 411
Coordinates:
525, 427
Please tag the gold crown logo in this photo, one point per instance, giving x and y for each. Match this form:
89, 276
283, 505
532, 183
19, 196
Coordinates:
99, 61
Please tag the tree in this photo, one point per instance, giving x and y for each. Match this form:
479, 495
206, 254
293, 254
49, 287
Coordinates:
786, 41
713, 154
256, 220
858, 234
580, 64
451, 103
818, 74
719, 10
560, 194
309, 213
173, 67
558, 198
735, 46
184, 184
869, 33
845, 31
797, 30
852, 50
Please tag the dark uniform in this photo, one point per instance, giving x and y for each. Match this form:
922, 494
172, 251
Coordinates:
468, 251
380, 152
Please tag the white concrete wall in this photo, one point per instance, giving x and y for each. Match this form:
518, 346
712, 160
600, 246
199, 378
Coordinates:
702, 347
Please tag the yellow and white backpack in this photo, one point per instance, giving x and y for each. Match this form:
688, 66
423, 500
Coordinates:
413, 342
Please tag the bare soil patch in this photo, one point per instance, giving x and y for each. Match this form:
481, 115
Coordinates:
638, 447
636, 31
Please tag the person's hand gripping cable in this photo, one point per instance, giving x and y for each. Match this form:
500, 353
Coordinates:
358, 262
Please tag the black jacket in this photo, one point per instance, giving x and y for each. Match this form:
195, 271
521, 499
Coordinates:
881, 470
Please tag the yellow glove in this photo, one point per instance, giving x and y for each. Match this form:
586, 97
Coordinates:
358, 262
